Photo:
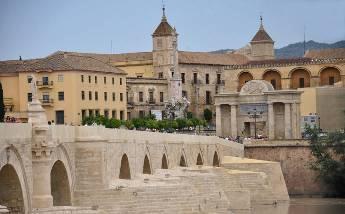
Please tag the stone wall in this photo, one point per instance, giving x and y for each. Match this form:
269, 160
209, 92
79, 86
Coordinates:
294, 157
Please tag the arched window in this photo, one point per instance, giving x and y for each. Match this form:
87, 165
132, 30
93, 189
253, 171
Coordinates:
329, 76
199, 160
125, 172
243, 78
216, 159
146, 167
274, 78
11, 194
60, 189
164, 162
300, 78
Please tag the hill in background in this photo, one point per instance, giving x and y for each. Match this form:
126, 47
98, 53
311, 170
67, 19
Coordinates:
297, 49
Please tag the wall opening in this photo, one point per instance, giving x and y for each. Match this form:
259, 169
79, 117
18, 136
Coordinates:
243, 78
60, 189
199, 160
183, 161
329, 76
125, 172
146, 168
164, 162
11, 194
216, 159
300, 78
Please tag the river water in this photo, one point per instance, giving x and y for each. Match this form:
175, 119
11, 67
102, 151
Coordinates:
304, 206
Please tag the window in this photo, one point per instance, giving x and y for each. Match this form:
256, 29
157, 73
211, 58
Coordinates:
129, 116
105, 80
60, 77
96, 80
219, 79
120, 81
45, 98
90, 112
82, 78
141, 114
160, 75
273, 82
195, 78
29, 97
121, 97
172, 74
97, 112
184, 94
113, 96
141, 96
331, 80
183, 77
83, 95
161, 97
301, 82
151, 96
113, 80
89, 79
207, 80
208, 97
29, 79
122, 115
113, 114
90, 95
159, 43
83, 114
61, 95
105, 96
106, 113
96, 95
45, 80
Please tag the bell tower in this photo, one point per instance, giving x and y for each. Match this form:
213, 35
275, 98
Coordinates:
165, 56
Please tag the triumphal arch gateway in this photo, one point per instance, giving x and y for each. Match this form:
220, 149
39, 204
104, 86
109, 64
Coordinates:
259, 110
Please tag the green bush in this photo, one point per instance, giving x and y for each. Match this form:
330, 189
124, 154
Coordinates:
181, 123
207, 115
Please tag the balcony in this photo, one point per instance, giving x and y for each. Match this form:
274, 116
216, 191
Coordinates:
197, 82
221, 82
152, 101
45, 84
47, 102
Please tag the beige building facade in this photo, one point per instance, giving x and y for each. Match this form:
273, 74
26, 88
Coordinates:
70, 87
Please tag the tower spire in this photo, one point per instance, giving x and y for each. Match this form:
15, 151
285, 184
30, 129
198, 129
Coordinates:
261, 23
164, 18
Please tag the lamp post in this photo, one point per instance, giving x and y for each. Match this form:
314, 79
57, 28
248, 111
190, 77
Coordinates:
255, 115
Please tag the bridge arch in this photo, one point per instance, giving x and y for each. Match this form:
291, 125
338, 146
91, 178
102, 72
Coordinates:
11, 166
147, 166
164, 162
199, 160
125, 171
60, 187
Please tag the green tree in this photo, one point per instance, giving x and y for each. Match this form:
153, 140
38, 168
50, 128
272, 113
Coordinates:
329, 154
2, 105
207, 115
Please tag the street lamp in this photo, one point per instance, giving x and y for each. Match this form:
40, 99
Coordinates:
255, 115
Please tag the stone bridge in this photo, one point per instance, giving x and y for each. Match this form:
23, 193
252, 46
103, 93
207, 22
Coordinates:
91, 169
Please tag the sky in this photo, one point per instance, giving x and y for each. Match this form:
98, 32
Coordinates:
37, 28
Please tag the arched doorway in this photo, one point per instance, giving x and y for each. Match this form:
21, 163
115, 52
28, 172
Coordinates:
243, 78
164, 162
216, 159
183, 161
329, 76
274, 78
125, 172
300, 78
60, 189
146, 167
11, 194
199, 160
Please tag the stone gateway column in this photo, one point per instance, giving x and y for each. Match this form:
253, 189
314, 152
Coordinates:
287, 112
294, 121
219, 127
271, 126
233, 120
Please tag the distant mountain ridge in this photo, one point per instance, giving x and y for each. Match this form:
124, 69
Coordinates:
297, 49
